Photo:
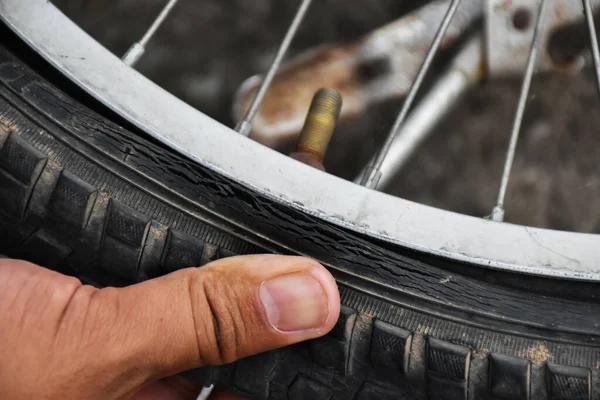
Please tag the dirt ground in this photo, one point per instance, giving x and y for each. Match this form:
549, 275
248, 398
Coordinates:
208, 47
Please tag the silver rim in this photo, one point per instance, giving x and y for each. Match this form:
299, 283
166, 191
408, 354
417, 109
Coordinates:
415, 226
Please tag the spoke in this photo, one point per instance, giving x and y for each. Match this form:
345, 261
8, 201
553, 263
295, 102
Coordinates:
136, 51
498, 213
589, 14
245, 126
205, 393
372, 174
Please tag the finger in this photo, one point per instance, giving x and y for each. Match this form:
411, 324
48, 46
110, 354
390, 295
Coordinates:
230, 309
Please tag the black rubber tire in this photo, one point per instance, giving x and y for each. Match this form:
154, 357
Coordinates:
87, 197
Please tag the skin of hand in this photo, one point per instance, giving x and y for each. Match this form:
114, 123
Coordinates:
60, 339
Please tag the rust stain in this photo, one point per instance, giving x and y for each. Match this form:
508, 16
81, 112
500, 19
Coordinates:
559, 13
291, 92
423, 330
538, 354
7, 125
480, 353
482, 69
161, 234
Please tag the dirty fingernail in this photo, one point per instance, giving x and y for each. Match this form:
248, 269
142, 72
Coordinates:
294, 302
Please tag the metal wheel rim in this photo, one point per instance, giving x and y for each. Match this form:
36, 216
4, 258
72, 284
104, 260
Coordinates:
207, 142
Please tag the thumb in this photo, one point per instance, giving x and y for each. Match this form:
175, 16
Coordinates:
217, 314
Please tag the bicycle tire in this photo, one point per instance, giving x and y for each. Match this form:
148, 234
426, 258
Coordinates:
85, 196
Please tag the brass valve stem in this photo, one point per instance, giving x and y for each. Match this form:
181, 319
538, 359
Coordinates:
318, 128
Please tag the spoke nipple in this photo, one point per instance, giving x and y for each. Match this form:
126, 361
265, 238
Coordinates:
134, 53
497, 214
319, 125
244, 128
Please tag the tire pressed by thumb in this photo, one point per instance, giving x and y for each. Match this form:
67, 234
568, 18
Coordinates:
217, 314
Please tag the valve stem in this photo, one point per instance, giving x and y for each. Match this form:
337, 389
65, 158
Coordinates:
318, 128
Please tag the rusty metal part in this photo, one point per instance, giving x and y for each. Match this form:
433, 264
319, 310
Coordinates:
378, 67
510, 28
320, 122
281, 116
318, 127
383, 64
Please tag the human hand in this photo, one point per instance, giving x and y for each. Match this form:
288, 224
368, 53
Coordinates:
60, 339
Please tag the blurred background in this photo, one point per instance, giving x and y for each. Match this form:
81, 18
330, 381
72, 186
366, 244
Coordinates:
207, 48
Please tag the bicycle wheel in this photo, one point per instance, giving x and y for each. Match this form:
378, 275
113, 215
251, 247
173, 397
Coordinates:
435, 304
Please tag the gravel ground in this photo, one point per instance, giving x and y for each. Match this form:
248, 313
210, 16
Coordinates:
208, 47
